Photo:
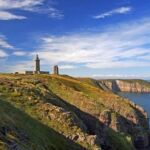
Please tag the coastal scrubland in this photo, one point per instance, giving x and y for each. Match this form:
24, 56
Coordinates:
59, 112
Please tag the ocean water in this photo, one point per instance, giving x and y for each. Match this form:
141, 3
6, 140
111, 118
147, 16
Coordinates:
138, 98
142, 99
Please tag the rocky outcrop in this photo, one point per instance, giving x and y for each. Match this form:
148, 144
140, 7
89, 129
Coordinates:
138, 86
105, 117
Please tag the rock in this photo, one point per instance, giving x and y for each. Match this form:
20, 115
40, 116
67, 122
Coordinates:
52, 116
126, 86
105, 117
81, 138
133, 118
92, 139
115, 124
74, 137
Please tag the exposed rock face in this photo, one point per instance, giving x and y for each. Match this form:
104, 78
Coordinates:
60, 115
132, 125
127, 85
105, 118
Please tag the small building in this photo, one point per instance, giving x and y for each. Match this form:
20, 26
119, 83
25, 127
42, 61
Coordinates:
16, 72
43, 72
28, 72
56, 70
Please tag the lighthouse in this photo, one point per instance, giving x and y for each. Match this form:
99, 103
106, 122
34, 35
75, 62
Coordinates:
37, 65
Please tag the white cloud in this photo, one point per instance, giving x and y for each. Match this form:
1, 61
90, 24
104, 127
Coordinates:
121, 76
19, 53
118, 64
4, 43
67, 67
21, 66
20, 4
116, 47
4, 15
37, 6
5, 48
3, 54
122, 46
121, 10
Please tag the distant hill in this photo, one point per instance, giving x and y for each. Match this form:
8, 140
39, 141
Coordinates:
50, 112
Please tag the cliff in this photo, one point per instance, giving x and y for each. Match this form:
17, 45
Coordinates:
45, 112
139, 86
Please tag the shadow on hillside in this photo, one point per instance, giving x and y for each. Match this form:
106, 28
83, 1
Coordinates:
25, 123
95, 127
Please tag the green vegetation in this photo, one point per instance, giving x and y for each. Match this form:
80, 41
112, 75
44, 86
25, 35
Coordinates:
27, 133
119, 140
62, 112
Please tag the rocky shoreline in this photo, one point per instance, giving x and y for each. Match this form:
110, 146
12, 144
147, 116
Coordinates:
135, 86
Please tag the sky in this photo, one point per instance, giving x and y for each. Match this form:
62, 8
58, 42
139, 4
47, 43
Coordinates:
90, 38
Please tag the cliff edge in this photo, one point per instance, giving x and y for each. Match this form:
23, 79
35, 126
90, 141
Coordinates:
139, 86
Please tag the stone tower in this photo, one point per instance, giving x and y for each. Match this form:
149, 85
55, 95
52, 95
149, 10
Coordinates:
56, 70
37, 64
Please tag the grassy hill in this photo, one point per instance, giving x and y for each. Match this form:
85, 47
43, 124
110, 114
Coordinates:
46, 112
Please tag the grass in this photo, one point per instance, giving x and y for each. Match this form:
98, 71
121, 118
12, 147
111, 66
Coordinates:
50, 108
40, 137
120, 139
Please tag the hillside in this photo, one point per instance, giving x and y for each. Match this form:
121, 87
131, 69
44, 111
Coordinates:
48, 112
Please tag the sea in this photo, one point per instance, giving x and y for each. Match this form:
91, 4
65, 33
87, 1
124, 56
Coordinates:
142, 99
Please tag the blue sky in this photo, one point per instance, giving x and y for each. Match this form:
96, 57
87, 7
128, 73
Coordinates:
96, 38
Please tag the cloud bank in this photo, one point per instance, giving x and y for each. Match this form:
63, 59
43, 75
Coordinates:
123, 46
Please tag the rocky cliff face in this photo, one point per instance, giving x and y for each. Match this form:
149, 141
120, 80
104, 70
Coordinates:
127, 85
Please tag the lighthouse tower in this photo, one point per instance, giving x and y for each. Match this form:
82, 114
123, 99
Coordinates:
37, 65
